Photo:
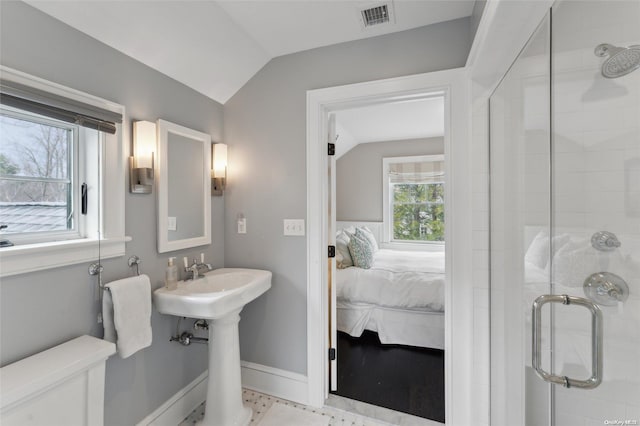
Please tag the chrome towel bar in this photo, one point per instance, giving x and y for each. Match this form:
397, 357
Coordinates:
96, 268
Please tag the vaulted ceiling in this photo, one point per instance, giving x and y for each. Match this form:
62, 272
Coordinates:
215, 47
389, 121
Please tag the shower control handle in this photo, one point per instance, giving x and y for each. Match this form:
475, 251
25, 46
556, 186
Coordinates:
605, 241
606, 288
596, 341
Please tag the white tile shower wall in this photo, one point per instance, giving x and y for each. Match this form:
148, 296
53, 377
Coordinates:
480, 228
597, 157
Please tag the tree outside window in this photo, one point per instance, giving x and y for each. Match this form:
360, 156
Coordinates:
415, 190
418, 211
36, 158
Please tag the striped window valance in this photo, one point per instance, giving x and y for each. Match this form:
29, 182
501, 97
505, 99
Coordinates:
417, 172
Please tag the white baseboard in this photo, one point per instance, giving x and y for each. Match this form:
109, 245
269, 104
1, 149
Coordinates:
180, 405
273, 381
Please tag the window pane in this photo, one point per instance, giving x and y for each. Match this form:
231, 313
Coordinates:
435, 192
418, 212
409, 193
34, 206
418, 222
32, 149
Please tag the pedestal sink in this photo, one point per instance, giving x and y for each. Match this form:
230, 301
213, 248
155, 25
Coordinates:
219, 297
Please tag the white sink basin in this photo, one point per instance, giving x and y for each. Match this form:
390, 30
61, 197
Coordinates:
217, 294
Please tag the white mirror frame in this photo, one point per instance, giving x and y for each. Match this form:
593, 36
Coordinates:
162, 184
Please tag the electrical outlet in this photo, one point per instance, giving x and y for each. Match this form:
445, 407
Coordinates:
294, 227
172, 223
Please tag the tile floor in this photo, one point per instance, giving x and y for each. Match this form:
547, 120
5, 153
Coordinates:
384, 415
260, 403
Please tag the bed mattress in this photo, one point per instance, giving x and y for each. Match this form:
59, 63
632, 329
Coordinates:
401, 297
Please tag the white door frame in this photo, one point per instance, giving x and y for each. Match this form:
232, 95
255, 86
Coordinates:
458, 249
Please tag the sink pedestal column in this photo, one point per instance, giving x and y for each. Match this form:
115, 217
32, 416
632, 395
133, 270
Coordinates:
224, 388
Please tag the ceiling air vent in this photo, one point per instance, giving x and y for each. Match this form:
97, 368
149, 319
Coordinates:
375, 15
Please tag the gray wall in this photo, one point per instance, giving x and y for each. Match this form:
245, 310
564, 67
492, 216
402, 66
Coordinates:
42, 309
265, 128
359, 175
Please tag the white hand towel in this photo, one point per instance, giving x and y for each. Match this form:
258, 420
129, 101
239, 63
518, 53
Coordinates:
126, 314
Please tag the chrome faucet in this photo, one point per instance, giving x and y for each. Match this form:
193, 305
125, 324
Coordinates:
194, 271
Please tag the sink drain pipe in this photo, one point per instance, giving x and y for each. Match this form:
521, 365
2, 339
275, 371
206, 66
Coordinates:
186, 338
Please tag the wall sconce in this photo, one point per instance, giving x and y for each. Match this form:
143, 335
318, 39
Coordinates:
141, 163
218, 168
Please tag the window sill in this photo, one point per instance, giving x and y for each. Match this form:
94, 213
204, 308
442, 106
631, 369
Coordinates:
36, 257
435, 247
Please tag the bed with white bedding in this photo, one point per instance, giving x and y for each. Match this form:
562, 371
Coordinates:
401, 297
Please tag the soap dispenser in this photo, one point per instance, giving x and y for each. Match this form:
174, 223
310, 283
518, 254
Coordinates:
171, 275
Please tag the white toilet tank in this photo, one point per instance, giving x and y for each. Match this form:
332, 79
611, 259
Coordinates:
61, 386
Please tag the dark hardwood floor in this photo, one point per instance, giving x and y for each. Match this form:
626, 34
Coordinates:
402, 378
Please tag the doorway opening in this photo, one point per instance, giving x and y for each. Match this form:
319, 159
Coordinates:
386, 199
451, 85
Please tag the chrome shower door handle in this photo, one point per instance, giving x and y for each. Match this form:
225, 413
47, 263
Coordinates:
596, 341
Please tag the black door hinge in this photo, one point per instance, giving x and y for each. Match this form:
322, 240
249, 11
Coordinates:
332, 148
332, 251
332, 354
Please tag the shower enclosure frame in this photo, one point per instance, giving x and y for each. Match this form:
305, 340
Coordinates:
559, 74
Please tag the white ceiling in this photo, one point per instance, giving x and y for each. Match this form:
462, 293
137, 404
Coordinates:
283, 27
390, 121
215, 47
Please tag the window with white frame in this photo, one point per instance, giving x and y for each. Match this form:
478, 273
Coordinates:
61, 166
40, 189
414, 195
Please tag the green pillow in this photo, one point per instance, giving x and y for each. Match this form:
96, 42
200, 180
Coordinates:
368, 234
361, 251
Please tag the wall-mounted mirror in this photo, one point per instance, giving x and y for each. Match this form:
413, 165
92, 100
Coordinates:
183, 182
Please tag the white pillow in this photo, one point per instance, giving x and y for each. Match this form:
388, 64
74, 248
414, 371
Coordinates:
342, 248
349, 230
339, 260
574, 262
538, 251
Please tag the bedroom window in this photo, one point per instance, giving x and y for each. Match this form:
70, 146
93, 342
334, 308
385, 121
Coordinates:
414, 191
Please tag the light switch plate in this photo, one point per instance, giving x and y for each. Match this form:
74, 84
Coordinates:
172, 223
294, 227
242, 225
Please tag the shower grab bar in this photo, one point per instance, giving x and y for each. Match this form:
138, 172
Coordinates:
596, 341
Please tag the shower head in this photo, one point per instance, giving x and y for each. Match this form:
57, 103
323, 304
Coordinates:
621, 60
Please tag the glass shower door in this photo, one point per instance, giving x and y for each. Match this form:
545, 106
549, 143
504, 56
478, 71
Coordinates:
595, 212
565, 222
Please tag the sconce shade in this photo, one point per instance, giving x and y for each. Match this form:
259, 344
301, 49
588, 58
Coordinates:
219, 160
218, 168
144, 143
141, 163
